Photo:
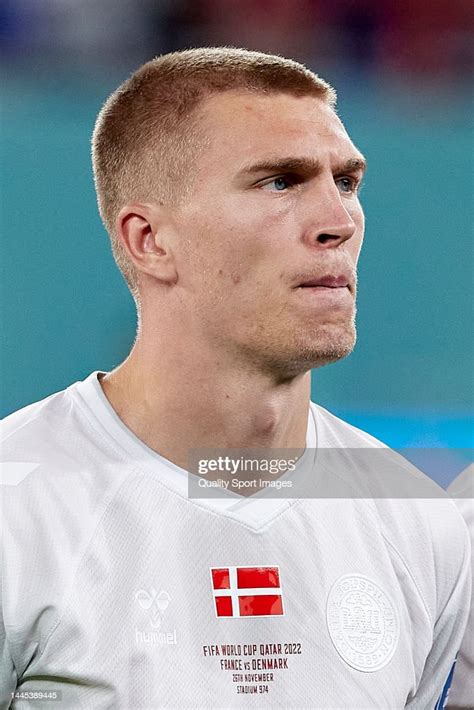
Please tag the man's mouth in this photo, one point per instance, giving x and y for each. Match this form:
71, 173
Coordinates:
328, 281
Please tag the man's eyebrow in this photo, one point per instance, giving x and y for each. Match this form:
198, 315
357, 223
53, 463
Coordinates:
353, 165
303, 165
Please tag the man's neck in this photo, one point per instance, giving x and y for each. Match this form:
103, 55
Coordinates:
175, 402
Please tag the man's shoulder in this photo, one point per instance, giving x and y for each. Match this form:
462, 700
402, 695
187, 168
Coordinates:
49, 436
57, 431
58, 480
26, 427
369, 466
334, 431
417, 518
462, 492
53, 448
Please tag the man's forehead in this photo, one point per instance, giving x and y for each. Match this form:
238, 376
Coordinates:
269, 124
249, 106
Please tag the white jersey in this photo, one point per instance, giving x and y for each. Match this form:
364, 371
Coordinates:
462, 691
119, 591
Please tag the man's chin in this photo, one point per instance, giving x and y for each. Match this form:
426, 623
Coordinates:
294, 353
329, 356
328, 345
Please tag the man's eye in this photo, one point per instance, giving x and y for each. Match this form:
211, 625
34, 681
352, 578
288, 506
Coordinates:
278, 184
347, 184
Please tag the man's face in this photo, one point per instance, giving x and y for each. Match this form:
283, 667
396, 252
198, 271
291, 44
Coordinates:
271, 231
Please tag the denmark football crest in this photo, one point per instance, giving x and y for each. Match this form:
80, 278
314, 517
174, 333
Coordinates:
362, 623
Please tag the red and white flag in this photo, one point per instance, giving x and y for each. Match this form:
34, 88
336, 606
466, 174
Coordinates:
247, 591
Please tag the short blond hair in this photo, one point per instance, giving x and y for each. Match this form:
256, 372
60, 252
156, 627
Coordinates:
144, 135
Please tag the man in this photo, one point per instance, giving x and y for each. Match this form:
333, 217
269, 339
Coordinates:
229, 187
462, 692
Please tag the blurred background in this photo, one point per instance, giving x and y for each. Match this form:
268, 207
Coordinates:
403, 75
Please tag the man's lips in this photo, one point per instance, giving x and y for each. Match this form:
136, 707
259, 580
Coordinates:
327, 281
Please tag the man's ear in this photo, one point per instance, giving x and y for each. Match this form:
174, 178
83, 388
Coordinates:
145, 231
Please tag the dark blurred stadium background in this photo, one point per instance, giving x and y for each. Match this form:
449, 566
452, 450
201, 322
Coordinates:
403, 74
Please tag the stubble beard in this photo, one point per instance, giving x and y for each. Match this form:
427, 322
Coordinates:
330, 343
289, 354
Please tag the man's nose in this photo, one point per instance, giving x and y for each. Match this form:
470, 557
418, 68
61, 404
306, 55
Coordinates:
331, 223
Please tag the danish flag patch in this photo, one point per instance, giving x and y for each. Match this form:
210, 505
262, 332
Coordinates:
247, 591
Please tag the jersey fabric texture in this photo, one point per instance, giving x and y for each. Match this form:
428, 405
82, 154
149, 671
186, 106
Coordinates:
462, 690
119, 591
